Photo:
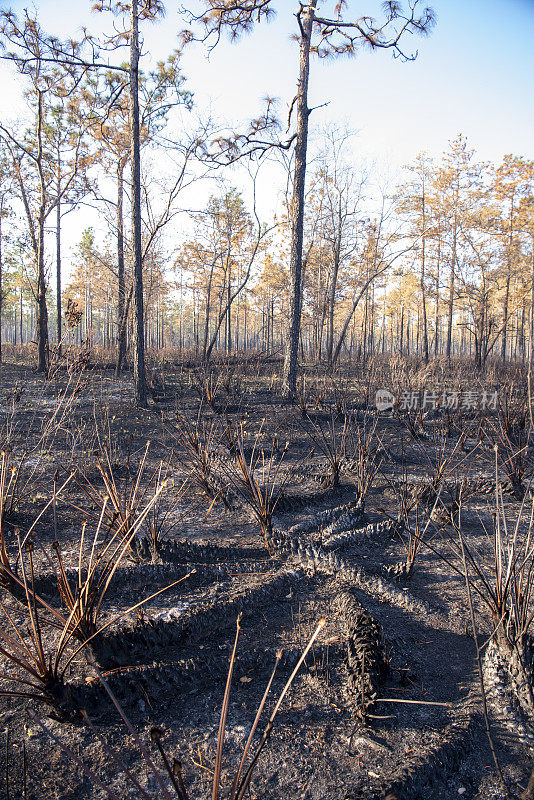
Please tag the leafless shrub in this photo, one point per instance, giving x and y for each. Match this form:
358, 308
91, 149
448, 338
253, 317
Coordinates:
331, 443
511, 434
255, 479
413, 524
446, 471
200, 442
28, 445
302, 396
216, 386
340, 391
366, 460
320, 392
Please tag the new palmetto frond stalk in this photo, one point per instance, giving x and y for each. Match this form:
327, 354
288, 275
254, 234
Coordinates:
120, 501
503, 580
38, 662
260, 494
9, 567
7, 477
161, 518
97, 564
35, 665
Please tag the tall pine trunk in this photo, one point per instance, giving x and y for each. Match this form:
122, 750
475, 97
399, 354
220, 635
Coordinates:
451, 291
139, 369
506, 303
42, 310
297, 207
58, 273
1, 286
121, 304
423, 287
332, 296
531, 335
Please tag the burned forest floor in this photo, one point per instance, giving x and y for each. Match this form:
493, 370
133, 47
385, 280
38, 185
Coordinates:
372, 515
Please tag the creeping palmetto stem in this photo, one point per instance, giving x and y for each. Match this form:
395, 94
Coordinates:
41, 662
243, 775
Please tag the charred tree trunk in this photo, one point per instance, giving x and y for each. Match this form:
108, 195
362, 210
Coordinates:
42, 310
297, 206
423, 287
332, 297
139, 369
58, 273
121, 331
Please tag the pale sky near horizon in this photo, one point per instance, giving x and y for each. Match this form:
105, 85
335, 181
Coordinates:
473, 75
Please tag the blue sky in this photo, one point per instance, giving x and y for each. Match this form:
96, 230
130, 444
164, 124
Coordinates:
473, 75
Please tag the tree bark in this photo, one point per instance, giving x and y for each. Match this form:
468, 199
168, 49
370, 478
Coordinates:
423, 288
121, 332
139, 369
453, 272
346, 324
332, 294
1, 286
208, 312
531, 336
58, 273
42, 310
507, 290
297, 207
436, 316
